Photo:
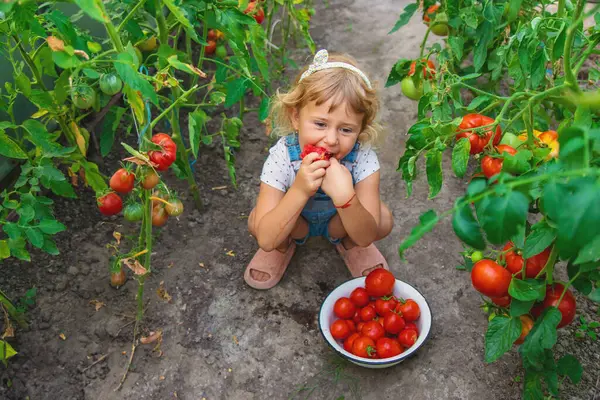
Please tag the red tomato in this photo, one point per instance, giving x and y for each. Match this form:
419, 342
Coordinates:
210, 48
409, 310
359, 326
117, 279
393, 323
428, 72
110, 204
492, 166
387, 348
159, 216
151, 179
165, 157
350, 341
344, 308
367, 313
526, 325
380, 320
408, 337
380, 282
356, 317
259, 16
514, 261
212, 34
490, 279
502, 301
384, 305
364, 347
567, 306
430, 12
122, 181
339, 329
478, 142
351, 325
411, 325
373, 330
359, 297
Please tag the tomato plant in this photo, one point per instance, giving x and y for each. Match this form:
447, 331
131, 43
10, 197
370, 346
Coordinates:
521, 77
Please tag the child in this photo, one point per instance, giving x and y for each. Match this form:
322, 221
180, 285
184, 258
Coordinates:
331, 105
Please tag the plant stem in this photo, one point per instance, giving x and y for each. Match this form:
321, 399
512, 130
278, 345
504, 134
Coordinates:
570, 78
424, 41
269, 27
202, 48
549, 267
567, 287
128, 17
172, 106
110, 29
163, 32
561, 8
30, 63
12, 311
286, 32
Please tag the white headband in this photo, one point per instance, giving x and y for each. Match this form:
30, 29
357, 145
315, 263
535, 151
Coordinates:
320, 62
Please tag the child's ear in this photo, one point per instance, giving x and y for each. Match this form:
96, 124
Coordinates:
295, 118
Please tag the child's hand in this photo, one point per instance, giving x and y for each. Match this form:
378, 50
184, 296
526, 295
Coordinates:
310, 175
338, 183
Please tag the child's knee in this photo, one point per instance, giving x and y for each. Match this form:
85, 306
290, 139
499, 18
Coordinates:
251, 220
386, 222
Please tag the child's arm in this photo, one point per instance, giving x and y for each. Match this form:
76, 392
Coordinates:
361, 217
276, 212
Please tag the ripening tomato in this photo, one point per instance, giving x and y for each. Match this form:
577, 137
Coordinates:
407, 337
210, 47
373, 330
83, 96
212, 34
110, 204
148, 44
490, 279
117, 279
492, 166
122, 181
567, 306
439, 29
502, 301
478, 141
367, 313
380, 282
364, 347
165, 157
344, 308
430, 12
339, 329
384, 305
159, 216
526, 325
428, 71
409, 310
150, 180
534, 265
259, 15
174, 208
359, 297
393, 323
387, 347
350, 341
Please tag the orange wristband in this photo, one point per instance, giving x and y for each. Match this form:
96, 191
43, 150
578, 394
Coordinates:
347, 203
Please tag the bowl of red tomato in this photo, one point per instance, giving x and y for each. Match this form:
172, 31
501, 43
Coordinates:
375, 321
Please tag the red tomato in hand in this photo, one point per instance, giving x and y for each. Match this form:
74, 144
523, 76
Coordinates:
350, 341
165, 157
373, 330
492, 166
344, 308
364, 347
567, 306
407, 337
393, 323
339, 329
359, 297
110, 204
367, 313
526, 325
478, 142
380, 282
411, 325
384, 305
122, 181
428, 72
409, 310
514, 261
387, 348
321, 151
490, 279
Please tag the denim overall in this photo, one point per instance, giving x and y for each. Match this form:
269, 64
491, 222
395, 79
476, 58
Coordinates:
319, 209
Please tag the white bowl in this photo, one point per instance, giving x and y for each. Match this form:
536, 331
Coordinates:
401, 289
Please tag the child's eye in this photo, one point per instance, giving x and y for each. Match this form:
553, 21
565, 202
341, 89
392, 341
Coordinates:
347, 130
320, 124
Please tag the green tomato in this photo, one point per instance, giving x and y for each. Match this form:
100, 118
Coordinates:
221, 51
511, 140
110, 84
133, 212
476, 256
440, 29
83, 96
410, 90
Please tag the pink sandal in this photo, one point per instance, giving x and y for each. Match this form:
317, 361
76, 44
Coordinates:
274, 263
361, 259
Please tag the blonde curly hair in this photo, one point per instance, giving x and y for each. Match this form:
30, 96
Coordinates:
339, 84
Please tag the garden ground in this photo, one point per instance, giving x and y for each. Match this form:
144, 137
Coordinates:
224, 340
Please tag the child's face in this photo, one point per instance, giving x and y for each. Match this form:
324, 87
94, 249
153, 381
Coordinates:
337, 131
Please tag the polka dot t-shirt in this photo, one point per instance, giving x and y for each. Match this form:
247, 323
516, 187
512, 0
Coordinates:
280, 172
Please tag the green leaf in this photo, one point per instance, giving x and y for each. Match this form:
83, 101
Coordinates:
93, 176
485, 33
42, 99
460, 157
519, 307
109, 127
39, 136
569, 366
433, 166
501, 217
457, 44
527, 290
35, 237
133, 79
61, 188
91, 8
196, 122
500, 336
513, 10
538, 68
17, 248
23, 83
51, 226
595, 295
259, 38
532, 386
538, 240
263, 111
235, 91
517, 164
519, 238
477, 102
409, 10
217, 98
590, 252
542, 336
9, 148
466, 227
4, 249
178, 14
189, 68
427, 221
62, 87
65, 60
6, 351
50, 247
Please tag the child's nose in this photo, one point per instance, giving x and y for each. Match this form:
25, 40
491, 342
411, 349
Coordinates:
331, 137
